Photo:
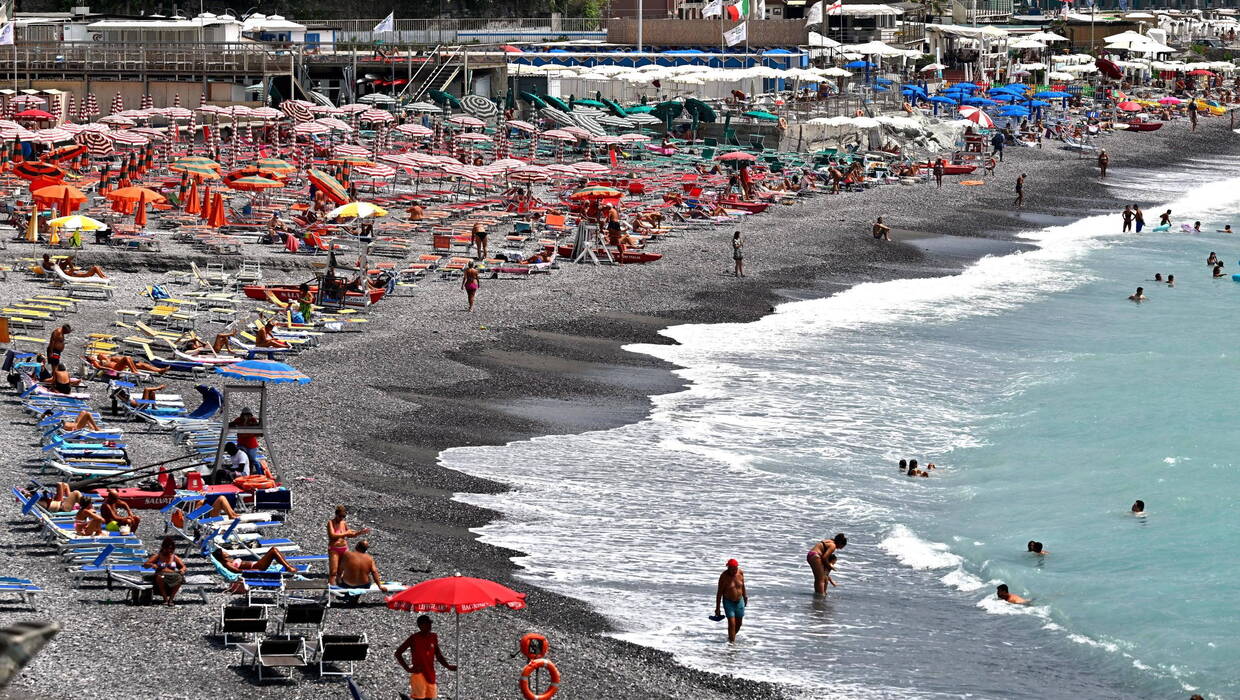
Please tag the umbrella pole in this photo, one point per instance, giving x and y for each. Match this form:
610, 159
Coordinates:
459, 660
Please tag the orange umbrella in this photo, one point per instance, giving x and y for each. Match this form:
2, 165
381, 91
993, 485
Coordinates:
133, 194
139, 218
191, 200
218, 220
66, 205
48, 195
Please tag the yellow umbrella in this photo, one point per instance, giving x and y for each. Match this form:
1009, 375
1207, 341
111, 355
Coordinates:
356, 210
77, 222
32, 229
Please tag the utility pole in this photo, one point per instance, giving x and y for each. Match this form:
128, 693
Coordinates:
640, 16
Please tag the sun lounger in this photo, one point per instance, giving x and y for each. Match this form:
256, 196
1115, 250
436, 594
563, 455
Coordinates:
23, 588
335, 650
272, 653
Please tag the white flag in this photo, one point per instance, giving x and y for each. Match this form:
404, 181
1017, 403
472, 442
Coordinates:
759, 9
736, 35
6, 34
834, 8
714, 8
388, 24
814, 16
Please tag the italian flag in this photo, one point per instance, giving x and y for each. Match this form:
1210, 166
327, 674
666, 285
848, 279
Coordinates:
738, 11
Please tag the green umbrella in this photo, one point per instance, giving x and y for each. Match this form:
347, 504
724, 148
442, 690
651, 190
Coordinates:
700, 110
533, 99
759, 114
557, 103
444, 98
616, 109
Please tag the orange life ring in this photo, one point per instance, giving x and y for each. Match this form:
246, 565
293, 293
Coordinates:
529, 670
783, 124
534, 646
859, 113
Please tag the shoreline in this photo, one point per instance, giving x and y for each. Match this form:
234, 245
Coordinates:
487, 378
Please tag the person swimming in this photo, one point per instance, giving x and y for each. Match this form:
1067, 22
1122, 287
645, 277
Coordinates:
1225, 229
1139, 295
1036, 548
1138, 507
903, 464
1196, 227
1170, 280
1002, 593
1218, 270
1158, 277
1213, 259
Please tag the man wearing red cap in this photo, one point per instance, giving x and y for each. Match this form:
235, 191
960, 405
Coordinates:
731, 593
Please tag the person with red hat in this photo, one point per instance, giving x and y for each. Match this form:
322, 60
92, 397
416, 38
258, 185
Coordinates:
732, 595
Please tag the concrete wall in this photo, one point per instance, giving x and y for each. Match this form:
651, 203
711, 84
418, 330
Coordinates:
705, 32
163, 93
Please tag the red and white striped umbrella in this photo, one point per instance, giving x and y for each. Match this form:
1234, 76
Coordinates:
202, 98
321, 110
128, 138
150, 132
72, 128
377, 171
467, 172
147, 101
117, 120
473, 137
90, 107
605, 140
311, 129
345, 149
587, 167
266, 113
559, 135
522, 126
634, 138
376, 116
236, 111
511, 164
334, 124
530, 174
176, 100
466, 121
564, 169
52, 136
99, 145
177, 113
576, 131
414, 130
8, 133
24, 102
977, 116
353, 108
118, 103
70, 106
210, 109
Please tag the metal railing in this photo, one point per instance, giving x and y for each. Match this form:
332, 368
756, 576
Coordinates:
163, 58
459, 31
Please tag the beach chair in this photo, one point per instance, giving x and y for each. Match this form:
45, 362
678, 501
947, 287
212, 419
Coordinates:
24, 588
240, 621
274, 653
307, 617
333, 651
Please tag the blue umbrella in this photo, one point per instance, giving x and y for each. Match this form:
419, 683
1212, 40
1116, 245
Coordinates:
944, 100
1039, 103
1017, 86
1013, 111
264, 371
883, 81
1052, 94
858, 64
978, 101
965, 85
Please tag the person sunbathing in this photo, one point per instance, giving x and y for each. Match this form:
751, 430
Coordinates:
123, 363
271, 556
82, 421
69, 269
65, 500
60, 381
88, 522
538, 258
264, 337
118, 511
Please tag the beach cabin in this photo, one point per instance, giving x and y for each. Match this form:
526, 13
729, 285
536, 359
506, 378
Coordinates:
205, 28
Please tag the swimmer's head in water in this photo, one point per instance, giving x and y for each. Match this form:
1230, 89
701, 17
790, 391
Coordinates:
1138, 506
1002, 590
903, 462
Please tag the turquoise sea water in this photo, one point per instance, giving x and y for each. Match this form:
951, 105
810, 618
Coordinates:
1048, 401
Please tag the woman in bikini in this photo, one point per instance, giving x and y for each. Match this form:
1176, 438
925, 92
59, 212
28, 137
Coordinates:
272, 556
338, 534
469, 282
819, 557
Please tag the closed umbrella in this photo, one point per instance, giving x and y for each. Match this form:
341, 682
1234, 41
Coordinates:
139, 217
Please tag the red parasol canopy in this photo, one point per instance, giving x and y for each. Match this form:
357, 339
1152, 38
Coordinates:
33, 114
139, 217
32, 169
1129, 106
461, 594
55, 195
737, 155
191, 199
135, 194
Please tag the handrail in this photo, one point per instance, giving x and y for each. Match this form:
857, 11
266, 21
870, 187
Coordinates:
430, 80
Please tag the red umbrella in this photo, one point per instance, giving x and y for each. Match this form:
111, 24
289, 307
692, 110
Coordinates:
1129, 106
1200, 71
218, 220
33, 114
737, 155
978, 117
205, 210
66, 204
139, 218
461, 594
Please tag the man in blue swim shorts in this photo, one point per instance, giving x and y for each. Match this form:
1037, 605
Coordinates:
731, 594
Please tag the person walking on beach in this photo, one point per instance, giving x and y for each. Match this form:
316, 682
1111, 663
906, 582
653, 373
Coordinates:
469, 282
738, 254
1020, 191
479, 236
1192, 114
338, 534
819, 558
996, 143
938, 173
1103, 161
1127, 215
422, 649
1138, 217
731, 593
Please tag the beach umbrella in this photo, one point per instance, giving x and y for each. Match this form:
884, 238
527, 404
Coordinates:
190, 201
32, 228
940, 99
479, 106
56, 194
1129, 106
134, 194
415, 130
1051, 95
977, 116
457, 594
357, 210
36, 114
1200, 71
424, 107
27, 101
594, 192
737, 156
276, 165
347, 159
465, 121
328, 185
253, 183
264, 371
29, 170
375, 115
139, 218
217, 218
77, 222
